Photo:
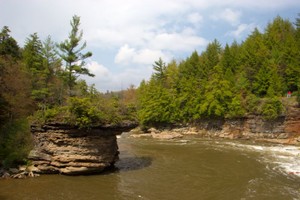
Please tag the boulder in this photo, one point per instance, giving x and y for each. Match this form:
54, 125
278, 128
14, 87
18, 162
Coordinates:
167, 135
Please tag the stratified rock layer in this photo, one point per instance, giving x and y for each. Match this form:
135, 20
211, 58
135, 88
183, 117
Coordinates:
285, 129
67, 150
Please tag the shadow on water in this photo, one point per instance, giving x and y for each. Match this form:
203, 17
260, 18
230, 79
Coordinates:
132, 163
3, 197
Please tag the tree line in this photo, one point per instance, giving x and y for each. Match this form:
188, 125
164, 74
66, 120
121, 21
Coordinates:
231, 82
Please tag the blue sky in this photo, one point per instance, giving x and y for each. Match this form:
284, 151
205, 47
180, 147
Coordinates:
127, 36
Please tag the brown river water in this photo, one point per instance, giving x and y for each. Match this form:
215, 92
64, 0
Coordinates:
189, 168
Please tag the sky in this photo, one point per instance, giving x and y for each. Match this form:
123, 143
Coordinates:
127, 36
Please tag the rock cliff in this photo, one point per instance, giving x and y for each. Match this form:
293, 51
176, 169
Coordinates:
284, 129
68, 150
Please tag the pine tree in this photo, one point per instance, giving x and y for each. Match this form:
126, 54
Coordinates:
71, 53
34, 62
8, 45
281, 42
159, 68
253, 54
218, 95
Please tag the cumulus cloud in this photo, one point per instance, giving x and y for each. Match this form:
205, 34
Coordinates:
228, 15
242, 29
186, 40
107, 80
127, 55
148, 56
195, 18
98, 69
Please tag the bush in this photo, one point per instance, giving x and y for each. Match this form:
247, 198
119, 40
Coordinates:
15, 143
46, 115
83, 113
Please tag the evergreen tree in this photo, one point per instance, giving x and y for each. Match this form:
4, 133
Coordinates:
227, 62
192, 78
8, 45
281, 42
211, 56
34, 62
218, 95
159, 68
53, 73
253, 55
71, 53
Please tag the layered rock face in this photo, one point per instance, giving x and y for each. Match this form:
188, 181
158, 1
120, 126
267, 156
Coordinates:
284, 129
67, 150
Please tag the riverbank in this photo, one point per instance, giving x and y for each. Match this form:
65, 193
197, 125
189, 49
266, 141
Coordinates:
20, 172
175, 133
283, 130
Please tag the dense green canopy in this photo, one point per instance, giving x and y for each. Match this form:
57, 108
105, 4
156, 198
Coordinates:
230, 82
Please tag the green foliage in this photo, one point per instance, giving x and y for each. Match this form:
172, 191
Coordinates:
83, 113
8, 45
15, 143
227, 82
236, 109
47, 115
252, 103
217, 95
160, 69
71, 53
271, 108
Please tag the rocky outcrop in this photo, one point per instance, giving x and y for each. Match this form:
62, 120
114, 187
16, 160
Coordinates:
68, 150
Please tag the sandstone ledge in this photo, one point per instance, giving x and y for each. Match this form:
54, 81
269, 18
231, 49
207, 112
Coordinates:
60, 148
285, 129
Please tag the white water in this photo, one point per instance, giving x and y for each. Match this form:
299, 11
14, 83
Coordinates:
280, 158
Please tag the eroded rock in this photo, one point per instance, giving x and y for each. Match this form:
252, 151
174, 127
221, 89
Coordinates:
67, 150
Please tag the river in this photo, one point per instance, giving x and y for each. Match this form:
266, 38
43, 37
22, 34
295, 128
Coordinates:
189, 168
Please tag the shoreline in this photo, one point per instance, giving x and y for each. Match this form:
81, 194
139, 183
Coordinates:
175, 133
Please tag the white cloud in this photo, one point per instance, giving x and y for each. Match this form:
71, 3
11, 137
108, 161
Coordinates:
148, 56
106, 80
195, 18
242, 29
127, 55
228, 15
98, 69
184, 41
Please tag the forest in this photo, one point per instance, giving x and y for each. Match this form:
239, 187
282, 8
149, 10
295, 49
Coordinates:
41, 82
230, 82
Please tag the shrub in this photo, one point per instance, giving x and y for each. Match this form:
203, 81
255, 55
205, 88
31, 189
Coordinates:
83, 113
15, 143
